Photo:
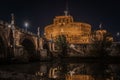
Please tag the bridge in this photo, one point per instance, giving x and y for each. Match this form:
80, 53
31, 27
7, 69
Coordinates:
16, 42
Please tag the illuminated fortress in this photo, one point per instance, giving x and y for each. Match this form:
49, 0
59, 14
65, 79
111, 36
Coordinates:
75, 32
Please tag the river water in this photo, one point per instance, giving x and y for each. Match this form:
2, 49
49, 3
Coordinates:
60, 70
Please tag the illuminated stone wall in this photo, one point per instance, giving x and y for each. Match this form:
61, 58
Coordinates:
79, 77
75, 32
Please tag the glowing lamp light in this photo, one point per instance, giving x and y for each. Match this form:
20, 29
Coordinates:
118, 34
26, 25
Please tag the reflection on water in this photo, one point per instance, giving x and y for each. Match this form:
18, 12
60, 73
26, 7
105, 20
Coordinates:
60, 71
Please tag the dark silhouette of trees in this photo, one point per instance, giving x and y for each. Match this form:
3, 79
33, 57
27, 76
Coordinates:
62, 45
100, 71
101, 48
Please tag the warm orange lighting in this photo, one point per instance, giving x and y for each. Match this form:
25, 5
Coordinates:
79, 77
75, 32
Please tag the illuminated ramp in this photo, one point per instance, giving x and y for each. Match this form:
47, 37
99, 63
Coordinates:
72, 47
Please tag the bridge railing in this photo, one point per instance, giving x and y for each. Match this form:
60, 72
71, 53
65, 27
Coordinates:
6, 24
27, 32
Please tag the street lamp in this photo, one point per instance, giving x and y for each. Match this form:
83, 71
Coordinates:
118, 34
26, 25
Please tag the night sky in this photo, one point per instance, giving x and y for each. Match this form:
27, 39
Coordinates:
41, 13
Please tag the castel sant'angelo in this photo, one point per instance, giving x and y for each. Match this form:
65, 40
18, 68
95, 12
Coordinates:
75, 32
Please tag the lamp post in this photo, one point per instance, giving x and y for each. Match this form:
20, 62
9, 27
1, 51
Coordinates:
13, 31
118, 36
26, 26
38, 33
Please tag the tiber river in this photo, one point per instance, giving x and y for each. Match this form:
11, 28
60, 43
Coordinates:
60, 70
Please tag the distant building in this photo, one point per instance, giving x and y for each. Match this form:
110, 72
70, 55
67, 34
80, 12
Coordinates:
100, 34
